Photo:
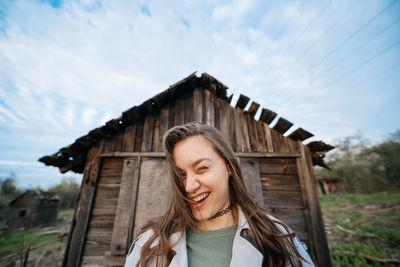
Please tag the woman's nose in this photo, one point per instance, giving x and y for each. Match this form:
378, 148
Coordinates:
192, 183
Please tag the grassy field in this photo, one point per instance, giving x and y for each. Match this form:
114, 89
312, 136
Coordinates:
363, 229
10, 241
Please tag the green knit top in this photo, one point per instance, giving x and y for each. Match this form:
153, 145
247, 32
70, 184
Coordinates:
210, 248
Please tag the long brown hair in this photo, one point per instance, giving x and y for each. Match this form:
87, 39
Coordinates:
277, 248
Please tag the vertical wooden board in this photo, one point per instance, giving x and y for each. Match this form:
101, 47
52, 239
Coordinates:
209, 108
224, 118
232, 127
154, 192
156, 132
164, 114
171, 114
239, 139
139, 135
80, 222
268, 138
198, 105
294, 218
292, 145
189, 107
278, 142
253, 133
217, 113
318, 239
251, 177
261, 136
148, 133
180, 111
245, 132
121, 224
117, 142
129, 138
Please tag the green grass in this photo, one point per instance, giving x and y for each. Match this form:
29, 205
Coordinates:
371, 223
10, 241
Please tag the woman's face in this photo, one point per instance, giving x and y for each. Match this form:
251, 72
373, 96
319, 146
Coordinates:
205, 176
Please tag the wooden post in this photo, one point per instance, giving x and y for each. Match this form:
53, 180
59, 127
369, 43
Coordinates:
121, 223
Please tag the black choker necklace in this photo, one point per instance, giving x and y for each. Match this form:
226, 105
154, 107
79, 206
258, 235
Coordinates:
221, 212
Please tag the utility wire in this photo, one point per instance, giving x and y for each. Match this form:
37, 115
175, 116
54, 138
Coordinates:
290, 20
308, 25
351, 36
337, 21
299, 7
348, 55
384, 50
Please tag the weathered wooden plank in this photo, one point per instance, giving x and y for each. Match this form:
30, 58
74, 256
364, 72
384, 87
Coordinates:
282, 125
189, 107
261, 136
110, 172
280, 182
239, 138
282, 199
224, 119
154, 181
129, 138
315, 225
180, 111
278, 141
92, 261
111, 163
300, 135
156, 132
209, 108
253, 108
251, 177
267, 116
110, 180
245, 131
148, 133
294, 218
139, 135
278, 166
242, 102
79, 226
121, 225
268, 138
253, 134
198, 105
164, 113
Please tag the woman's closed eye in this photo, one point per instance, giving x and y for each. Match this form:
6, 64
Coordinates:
202, 168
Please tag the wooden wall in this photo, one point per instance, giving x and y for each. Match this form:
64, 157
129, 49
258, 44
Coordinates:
125, 181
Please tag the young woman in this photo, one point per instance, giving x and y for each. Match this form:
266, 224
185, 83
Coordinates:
212, 219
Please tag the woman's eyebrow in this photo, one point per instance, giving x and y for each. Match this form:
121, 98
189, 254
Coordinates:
199, 161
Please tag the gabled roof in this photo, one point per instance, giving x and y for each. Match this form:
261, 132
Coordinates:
73, 157
39, 195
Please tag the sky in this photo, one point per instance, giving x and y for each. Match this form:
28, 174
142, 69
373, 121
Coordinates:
329, 66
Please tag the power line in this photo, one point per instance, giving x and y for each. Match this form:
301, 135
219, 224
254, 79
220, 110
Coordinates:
348, 55
349, 37
299, 7
290, 20
387, 48
337, 21
308, 25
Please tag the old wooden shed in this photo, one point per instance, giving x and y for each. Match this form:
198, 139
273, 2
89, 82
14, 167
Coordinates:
33, 208
126, 179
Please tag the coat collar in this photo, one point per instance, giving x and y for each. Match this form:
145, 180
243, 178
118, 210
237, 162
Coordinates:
243, 253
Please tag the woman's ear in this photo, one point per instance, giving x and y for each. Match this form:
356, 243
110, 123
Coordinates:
228, 169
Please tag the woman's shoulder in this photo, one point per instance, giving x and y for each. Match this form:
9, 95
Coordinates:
133, 255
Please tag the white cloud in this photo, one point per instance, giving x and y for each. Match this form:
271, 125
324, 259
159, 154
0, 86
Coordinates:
65, 70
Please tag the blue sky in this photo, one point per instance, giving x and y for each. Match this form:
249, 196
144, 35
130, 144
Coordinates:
66, 67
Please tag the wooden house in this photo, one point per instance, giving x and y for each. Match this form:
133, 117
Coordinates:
33, 208
126, 179
330, 185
